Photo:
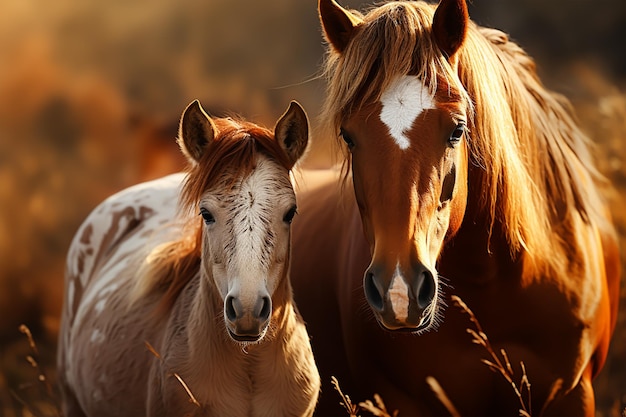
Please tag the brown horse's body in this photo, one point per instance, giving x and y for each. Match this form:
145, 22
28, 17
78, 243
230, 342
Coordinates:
470, 179
535, 324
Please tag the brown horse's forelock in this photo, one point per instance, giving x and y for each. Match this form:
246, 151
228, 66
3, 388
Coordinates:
394, 40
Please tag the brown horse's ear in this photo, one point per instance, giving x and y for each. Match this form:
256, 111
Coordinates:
196, 131
450, 25
292, 132
338, 24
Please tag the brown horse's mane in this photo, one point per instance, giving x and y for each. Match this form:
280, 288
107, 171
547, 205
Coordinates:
524, 143
229, 158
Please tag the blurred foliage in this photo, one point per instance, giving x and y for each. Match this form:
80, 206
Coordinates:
91, 92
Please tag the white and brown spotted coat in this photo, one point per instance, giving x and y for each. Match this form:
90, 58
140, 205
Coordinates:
105, 368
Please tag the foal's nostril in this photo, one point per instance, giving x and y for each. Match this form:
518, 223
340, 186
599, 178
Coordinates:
425, 289
266, 308
229, 308
372, 294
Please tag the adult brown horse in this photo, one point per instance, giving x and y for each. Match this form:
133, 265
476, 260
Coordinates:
470, 179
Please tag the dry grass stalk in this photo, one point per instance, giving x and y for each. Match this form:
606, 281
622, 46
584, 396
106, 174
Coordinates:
500, 365
51, 398
346, 403
442, 396
31, 341
378, 409
192, 398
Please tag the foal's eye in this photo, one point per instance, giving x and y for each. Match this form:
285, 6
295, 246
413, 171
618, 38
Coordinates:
207, 216
346, 138
288, 218
457, 133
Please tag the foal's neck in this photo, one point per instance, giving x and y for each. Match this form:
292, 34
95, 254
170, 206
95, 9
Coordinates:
205, 328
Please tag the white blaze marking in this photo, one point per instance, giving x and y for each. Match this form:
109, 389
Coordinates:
399, 296
403, 101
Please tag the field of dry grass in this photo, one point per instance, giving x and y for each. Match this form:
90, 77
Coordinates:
90, 94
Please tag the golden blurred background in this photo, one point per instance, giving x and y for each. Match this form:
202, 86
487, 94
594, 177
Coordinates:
91, 93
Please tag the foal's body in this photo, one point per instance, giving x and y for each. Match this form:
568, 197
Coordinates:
104, 364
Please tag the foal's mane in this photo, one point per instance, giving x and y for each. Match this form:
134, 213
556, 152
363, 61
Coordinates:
227, 160
523, 140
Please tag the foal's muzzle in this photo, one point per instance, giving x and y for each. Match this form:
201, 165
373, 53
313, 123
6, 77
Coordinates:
401, 301
247, 320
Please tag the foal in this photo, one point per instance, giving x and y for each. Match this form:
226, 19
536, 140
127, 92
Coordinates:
210, 293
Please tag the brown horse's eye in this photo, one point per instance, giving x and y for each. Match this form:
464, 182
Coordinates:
457, 133
288, 218
346, 138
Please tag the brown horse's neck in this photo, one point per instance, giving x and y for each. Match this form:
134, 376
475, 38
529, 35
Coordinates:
486, 234
478, 253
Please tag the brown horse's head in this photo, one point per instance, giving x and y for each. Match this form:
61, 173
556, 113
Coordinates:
401, 111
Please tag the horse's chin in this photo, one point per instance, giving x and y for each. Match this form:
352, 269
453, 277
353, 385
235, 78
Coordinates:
426, 324
247, 339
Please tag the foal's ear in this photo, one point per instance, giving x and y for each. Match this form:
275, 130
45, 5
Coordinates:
338, 24
292, 132
196, 131
450, 25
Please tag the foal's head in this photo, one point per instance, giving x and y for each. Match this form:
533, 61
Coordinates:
239, 184
398, 104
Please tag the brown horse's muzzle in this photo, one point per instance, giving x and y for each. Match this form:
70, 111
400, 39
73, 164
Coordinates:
401, 300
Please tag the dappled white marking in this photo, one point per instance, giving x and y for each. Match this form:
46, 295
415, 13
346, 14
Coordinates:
97, 336
403, 101
100, 305
97, 395
70, 293
399, 296
108, 290
160, 195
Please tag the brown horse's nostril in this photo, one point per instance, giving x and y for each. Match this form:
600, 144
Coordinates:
425, 288
372, 292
